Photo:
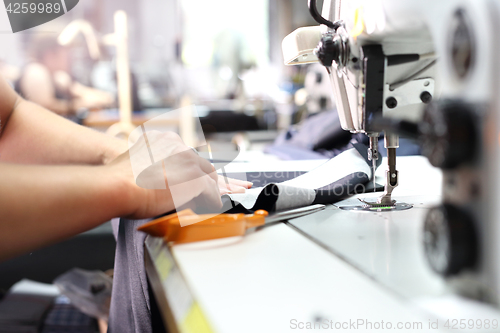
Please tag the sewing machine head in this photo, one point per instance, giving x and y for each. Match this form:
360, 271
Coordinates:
428, 69
376, 70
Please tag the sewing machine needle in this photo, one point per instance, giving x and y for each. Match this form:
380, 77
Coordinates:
373, 156
374, 168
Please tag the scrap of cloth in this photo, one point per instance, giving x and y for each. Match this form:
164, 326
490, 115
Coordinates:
133, 307
347, 173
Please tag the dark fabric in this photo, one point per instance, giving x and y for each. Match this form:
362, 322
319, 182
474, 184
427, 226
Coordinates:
133, 309
130, 302
355, 183
156, 316
227, 121
318, 131
321, 136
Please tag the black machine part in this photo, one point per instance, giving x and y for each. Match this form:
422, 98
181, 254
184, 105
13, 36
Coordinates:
447, 134
373, 84
450, 240
313, 10
328, 50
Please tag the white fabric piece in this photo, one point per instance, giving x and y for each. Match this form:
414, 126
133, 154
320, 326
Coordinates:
342, 165
292, 197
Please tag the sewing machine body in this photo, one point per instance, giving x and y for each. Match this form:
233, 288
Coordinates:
462, 234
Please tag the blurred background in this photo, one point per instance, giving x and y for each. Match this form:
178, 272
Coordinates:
224, 55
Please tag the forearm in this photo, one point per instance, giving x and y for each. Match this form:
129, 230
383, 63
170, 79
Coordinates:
40, 205
35, 135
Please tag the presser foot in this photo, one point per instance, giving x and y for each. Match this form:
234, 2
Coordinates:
378, 204
378, 207
385, 203
386, 199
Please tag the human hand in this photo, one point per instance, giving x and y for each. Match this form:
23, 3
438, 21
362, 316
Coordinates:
162, 174
230, 185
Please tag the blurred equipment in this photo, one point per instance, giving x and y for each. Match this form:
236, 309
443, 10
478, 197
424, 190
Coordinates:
25, 305
31, 306
319, 90
89, 291
71, 31
384, 58
118, 39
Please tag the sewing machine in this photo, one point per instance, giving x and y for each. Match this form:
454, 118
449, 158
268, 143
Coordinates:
428, 70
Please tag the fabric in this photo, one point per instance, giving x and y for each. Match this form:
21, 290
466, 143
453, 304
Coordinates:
133, 308
130, 310
261, 179
321, 135
336, 179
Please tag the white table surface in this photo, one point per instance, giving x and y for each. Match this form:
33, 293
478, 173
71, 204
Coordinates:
342, 266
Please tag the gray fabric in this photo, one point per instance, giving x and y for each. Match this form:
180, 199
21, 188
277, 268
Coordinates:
292, 197
130, 308
293, 192
115, 224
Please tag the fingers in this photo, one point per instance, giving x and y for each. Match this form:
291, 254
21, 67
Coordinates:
202, 183
184, 176
208, 168
205, 165
211, 194
236, 188
226, 187
234, 185
242, 183
223, 191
